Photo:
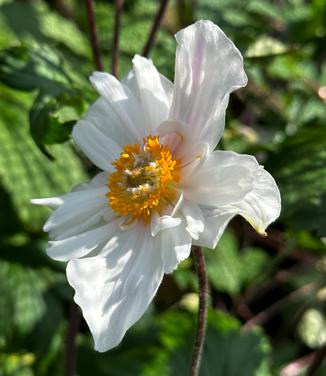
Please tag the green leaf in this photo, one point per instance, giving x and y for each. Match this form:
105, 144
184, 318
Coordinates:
230, 270
34, 67
52, 117
24, 171
254, 260
299, 169
225, 347
224, 266
161, 346
22, 304
26, 19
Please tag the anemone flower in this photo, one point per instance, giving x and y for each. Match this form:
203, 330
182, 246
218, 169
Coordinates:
162, 188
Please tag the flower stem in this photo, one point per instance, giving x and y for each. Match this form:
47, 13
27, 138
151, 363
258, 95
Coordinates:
202, 311
93, 34
116, 34
155, 27
317, 361
73, 327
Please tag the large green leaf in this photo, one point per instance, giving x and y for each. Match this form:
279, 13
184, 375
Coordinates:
33, 67
162, 347
230, 270
25, 172
22, 304
27, 21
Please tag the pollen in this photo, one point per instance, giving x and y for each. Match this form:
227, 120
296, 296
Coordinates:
144, 180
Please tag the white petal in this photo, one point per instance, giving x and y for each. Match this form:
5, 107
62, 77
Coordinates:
106, 119
79, 210
224, 177
215, 223
194, 218
101, 150
208, 68
152, 90
51, 202
115, 291
75, 204
80, 245
262, 205
178, 138
161, 223
99, 180
176, 246
123, 102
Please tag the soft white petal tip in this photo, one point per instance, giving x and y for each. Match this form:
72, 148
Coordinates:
52, 202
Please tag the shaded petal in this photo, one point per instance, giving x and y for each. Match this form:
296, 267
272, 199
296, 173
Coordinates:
80, 245
123, 103
181, 143
76, 208
208, 68
99, 180
224, 177
260, 207
175, 245
110, 123
153, 90
114, 291
100, 149
215, 223
80, 210
194, 218
161, 223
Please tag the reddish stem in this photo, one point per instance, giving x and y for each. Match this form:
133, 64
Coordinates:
202, 311
116, 34
73, 327
155, 27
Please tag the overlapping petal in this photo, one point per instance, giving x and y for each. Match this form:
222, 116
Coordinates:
175, 245
79, 210
260, 206
153, 91
225, 177
99, 148
208, 67
123, 104
114, 291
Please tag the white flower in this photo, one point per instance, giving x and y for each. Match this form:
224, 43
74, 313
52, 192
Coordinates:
163, 187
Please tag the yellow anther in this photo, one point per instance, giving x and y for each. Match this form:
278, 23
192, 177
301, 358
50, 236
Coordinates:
144, 180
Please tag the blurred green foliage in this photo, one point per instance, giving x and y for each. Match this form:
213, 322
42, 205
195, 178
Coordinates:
268, 295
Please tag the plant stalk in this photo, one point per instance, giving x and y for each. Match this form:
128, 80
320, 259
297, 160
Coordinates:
202, 310
90, 11
155, 27
71, 351
116, 37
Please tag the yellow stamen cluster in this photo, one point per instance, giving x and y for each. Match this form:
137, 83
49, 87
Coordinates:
144, 180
